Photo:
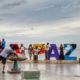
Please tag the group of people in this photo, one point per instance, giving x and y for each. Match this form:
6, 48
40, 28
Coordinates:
35, 51
5, 52
46, 48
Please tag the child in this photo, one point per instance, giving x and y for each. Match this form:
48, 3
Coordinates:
36, 51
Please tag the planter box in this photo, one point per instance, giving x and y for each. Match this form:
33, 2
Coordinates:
30, 75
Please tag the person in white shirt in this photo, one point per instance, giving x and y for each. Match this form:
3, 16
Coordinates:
22, 48
47, 47
36, 51
4, 54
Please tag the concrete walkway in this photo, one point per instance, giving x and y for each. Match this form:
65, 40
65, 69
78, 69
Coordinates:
48, 71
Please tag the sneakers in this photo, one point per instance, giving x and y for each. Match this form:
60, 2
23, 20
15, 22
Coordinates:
3, 72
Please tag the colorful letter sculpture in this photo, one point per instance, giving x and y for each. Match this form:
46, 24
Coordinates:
71, 47
53, 52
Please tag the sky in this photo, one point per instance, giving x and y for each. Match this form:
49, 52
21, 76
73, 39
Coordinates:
40, 21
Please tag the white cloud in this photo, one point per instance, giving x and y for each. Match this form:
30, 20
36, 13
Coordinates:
64, 27
46, 19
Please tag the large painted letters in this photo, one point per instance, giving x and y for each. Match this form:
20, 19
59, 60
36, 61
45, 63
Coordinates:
71, 48
68, 50
53, 52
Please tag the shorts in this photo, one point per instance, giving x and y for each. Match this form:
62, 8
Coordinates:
46, 51
22, 52
3, 60
35, 57
30, 53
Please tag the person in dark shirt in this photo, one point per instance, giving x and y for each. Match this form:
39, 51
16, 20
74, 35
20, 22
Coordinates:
61, 57
30, 51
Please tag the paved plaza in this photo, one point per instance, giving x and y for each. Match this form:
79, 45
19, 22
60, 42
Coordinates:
47, 71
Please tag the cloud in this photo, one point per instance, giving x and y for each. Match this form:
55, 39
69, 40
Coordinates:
37, 11
39, 19
13, 4
57, 29
52, 12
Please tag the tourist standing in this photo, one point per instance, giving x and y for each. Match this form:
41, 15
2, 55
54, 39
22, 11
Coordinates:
3, 43
22, 49
30, 51
47, 47
61, 57
36, 51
